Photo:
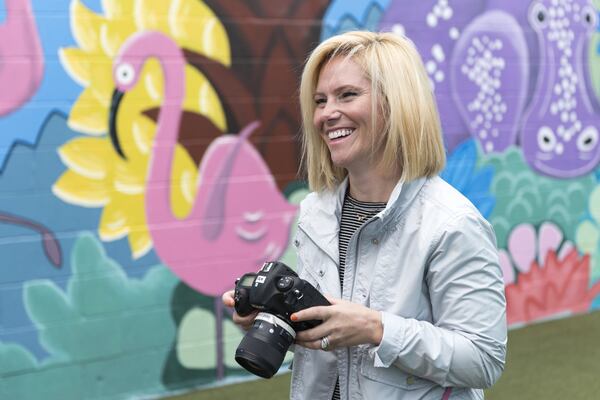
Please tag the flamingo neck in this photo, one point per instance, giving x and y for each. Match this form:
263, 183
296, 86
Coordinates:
18, 14
17, 5
167, 128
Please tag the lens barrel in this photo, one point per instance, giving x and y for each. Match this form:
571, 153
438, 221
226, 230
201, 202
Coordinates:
263, 348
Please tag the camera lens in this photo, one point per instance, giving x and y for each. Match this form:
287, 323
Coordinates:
263, 348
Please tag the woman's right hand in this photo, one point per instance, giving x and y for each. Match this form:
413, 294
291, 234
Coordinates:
244, 322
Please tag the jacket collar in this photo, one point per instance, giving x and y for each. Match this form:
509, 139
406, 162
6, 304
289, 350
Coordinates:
320, 213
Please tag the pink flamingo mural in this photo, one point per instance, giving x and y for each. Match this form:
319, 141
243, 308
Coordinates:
21, 56
239, 218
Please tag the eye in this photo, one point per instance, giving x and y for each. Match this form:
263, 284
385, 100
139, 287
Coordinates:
538, 15
348, 94
546, 139
589, 16
588, 139
125, 74
319, 101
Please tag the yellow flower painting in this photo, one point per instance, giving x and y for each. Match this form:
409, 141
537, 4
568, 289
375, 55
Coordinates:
97, 175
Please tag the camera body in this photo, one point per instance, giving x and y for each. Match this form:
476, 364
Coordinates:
278, 292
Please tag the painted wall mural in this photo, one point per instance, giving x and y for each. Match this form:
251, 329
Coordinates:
149, 153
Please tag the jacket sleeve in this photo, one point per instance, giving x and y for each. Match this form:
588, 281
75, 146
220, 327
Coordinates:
465, 345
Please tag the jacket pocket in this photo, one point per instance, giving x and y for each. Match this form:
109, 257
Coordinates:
391, 376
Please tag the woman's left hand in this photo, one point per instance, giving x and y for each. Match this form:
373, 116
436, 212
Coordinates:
344, 324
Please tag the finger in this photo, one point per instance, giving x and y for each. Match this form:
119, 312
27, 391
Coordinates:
318, 312
245, 322
312, 334
314, 344
333, 300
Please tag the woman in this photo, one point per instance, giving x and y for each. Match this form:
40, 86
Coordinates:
408, 263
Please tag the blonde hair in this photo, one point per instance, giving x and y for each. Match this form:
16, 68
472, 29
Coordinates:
401, 94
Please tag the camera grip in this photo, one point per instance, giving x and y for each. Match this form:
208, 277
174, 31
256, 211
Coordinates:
242, 302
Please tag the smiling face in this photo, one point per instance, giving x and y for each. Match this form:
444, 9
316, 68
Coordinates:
343, 116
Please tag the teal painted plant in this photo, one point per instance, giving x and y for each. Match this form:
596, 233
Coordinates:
588, 233
108, 335
522, 196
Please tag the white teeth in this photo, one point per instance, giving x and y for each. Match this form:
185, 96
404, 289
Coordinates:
339, 133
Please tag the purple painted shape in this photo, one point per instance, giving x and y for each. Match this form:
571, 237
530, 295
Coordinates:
490, 77
551, 117
435, 26
560, 136
21, 56
239, 219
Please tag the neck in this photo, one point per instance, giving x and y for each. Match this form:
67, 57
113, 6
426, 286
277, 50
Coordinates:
375, 188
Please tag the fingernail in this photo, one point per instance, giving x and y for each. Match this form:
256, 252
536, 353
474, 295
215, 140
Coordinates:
294, 317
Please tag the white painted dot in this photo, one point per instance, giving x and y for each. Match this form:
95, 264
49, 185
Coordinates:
489, 147
430, 66
399, 30
573, 117
438, 53
439, 76
447, 13
559, 149
557, 89
454, 33
432, 20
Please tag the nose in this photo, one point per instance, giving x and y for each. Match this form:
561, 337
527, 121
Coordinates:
328, 114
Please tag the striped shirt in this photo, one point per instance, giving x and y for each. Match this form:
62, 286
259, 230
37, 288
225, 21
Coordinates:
354, 214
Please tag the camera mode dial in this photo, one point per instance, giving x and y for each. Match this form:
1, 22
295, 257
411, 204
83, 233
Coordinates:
285, 283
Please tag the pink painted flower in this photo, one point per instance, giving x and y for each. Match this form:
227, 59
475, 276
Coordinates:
559, 288
526, 246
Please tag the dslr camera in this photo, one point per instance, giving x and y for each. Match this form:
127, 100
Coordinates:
278, 292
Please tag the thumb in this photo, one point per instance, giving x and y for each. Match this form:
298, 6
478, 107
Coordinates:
227, 298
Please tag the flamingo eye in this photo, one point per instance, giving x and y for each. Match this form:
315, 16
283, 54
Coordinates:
546, 139
588, 139
125, 74
538, 15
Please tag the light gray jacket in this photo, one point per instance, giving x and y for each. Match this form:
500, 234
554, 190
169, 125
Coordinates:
429, 263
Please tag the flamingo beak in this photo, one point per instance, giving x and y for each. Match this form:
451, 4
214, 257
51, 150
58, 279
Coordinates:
112, 122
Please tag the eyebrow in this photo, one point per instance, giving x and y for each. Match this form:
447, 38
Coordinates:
342, 89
